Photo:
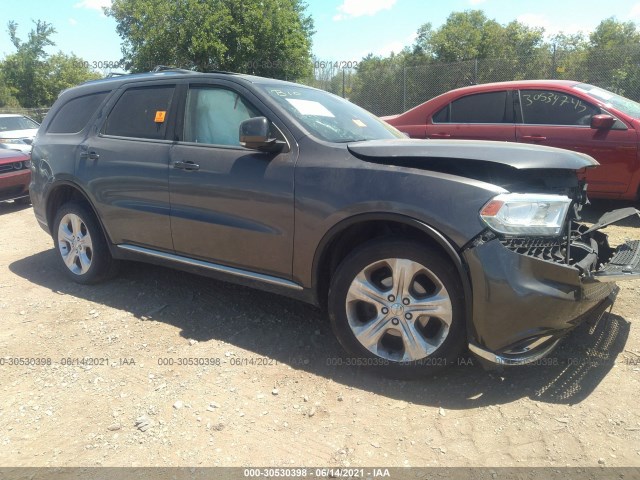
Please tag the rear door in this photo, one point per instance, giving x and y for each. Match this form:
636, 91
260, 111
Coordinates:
478, 116
126, 166
559, 119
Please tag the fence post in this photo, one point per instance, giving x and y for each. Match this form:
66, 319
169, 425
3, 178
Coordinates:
553, 63
343, 81
475, 71
404, 88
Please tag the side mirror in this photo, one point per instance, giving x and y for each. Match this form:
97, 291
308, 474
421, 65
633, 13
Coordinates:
255, 133
602, 121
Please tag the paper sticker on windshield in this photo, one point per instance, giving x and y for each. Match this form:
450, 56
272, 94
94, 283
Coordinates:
359, 123
160, 114
309, 107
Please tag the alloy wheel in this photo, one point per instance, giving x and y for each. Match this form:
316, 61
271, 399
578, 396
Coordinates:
75, 244
399, 310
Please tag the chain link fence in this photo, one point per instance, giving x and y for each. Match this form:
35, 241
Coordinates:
385, 87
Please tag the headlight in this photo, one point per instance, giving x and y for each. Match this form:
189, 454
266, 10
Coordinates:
526, 214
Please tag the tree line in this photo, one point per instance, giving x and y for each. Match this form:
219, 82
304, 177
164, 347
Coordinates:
472, 48
273, 38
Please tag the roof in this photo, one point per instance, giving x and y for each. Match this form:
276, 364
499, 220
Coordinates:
115, 81
5, 115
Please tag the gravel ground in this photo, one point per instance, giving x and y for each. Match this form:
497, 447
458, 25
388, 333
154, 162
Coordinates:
189, 371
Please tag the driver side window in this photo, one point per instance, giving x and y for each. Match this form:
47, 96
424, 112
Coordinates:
546, 107
213, 116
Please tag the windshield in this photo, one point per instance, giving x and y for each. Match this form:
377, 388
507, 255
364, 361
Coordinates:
611, 99
330, 117
16, 123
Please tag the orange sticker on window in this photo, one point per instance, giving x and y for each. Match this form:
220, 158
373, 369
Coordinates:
160, 114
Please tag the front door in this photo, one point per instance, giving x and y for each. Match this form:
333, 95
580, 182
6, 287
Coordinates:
230, 205
562, 120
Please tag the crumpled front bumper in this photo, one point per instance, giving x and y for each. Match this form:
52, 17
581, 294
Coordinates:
529, 293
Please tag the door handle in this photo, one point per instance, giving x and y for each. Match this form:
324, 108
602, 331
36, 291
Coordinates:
187, 165
90, 155
440, 135
534, 138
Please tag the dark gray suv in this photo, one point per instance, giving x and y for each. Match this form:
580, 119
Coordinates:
417, 249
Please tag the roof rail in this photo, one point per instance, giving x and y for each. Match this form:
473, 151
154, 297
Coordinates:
114, 74
164, 68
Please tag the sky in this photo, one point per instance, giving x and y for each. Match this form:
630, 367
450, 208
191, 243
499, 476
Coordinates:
346, 30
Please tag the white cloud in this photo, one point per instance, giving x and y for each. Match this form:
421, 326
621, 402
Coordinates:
551, 28
635, 11
535, 20
395, 47
73, 21
360, 8
93, 4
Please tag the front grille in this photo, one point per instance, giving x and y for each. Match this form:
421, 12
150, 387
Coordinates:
7, 167
550, 249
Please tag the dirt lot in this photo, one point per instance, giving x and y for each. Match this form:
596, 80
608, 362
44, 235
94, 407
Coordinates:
277, 397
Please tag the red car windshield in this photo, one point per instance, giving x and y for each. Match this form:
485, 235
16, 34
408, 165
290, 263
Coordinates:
611, 99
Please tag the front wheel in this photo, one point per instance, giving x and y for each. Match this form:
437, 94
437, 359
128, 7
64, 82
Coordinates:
80, 245
398, 304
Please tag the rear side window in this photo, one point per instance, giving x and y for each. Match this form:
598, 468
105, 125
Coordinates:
479, 108
141, 113
442, 116
546, 107
74, 115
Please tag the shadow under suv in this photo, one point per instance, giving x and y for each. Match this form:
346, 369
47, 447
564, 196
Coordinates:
416, 248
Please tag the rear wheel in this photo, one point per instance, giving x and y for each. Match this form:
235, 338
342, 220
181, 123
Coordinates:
81, 246
398, 304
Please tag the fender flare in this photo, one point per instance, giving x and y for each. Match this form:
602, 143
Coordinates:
435, 235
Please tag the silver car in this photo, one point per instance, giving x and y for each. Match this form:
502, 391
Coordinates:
17, 132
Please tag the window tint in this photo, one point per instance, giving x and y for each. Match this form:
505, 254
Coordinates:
442, 116
545, 107
141, 113
214, 115
74, 115
479, 108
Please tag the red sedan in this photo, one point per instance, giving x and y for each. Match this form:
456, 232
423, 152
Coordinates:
558, 113
15, 175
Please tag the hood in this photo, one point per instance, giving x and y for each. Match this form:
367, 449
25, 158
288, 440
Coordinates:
29, 133
419, 153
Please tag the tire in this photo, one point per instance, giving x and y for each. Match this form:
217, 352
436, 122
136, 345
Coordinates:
407, 337
81, 247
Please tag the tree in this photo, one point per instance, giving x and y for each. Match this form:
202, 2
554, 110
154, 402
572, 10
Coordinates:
25, 70
265, 37
30, 77
613, 57
470, 35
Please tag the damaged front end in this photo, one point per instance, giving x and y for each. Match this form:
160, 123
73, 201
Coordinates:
534, 286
